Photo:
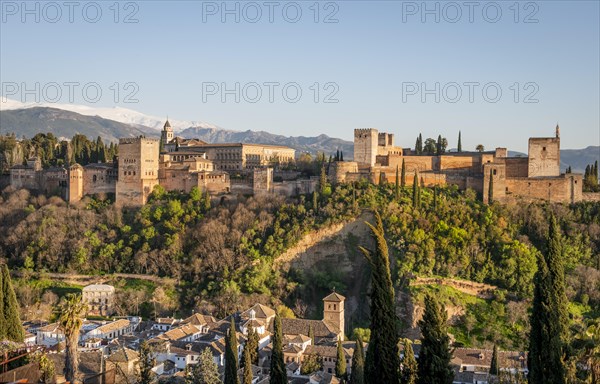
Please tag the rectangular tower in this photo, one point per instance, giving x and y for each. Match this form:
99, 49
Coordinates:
138, 170
365, 146
544, 156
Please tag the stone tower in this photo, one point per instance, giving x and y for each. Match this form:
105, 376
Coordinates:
333, 311
75, 188
544, 156
365, 146
167, 133
138, 170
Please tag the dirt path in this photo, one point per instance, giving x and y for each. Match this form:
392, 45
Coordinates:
484, 291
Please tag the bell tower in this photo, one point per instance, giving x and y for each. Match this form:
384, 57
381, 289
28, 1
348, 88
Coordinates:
167, 133
333, 311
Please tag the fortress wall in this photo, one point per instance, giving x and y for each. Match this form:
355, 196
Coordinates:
516, 166
565, 188
97, 180
340, 169
460, 162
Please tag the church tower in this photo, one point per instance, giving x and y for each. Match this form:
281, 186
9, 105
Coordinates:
333, 311
167, 135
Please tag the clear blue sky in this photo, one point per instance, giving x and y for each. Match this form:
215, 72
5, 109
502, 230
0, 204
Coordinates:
373, 49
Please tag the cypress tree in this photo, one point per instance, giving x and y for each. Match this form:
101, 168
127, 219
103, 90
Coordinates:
435, 197
322, 180
357, 376
403, 175
397, 186
435, 355
247, 365
415, 195
13, 330
459, 142
417, 146
252, 346
491, 188
549, 315
311, 334
409, 365
341, 156
337, 155
340, 362
315, 201
278, 373
439, 145
2, 322
494, 369
420, 150
231, 356
382, 361
146, 364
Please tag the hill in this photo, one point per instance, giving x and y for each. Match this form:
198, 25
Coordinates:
579, 158
65, 124
321, 143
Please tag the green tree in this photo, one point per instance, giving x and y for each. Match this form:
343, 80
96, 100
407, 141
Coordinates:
494, 368
397, 184
231, 356
206, 201
409, 370
278, 374
247, 365
315, 201
252, 345
70, 319
322, 180
415, 195
205, 371
146, 364
12, 328
435, 354
480, 148
459, 148
340, 362
312, 362
311, 334
403, 175
357, 376
382, 360
549, 316
491, 188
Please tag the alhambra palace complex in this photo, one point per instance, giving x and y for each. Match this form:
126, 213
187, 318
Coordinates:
180, 164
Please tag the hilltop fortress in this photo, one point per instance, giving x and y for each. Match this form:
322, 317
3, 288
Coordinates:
181, 164
536, 176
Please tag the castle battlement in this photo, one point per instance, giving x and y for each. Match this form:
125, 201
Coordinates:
364, 131
136, 140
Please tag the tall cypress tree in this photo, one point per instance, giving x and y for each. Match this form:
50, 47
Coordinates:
340, 362
278, 374
382, 361
491, 188
247, 365
549, 315
252, 345
311, 334
420, 150
415, 194
435, 355
439, 145
2, 322
459, 149
357, 376
494, 369
146, 364
13, 330
397, 186
403, 175
409, 368
231, 356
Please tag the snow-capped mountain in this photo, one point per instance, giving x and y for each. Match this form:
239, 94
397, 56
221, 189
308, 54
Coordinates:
122, 115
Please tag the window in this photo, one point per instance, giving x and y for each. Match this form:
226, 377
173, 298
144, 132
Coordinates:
543, 148
494, 172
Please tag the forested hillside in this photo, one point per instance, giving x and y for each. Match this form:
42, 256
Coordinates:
222, 252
